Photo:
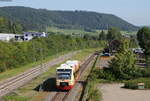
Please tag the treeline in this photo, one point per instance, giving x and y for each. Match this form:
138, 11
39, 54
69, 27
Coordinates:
112, 34
114, 38
8, 26
16, 54
35, 19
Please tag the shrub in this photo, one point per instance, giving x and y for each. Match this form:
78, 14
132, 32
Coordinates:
105, 74
145, 72
133, 84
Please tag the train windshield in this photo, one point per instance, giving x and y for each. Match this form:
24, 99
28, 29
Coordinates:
64, 76
63, 70
64, 73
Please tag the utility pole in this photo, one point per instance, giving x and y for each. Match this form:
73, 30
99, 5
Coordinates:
41, 67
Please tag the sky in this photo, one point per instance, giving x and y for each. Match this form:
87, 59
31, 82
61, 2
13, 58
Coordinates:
136, 12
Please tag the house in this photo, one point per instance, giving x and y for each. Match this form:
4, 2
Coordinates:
30, 35
19, 37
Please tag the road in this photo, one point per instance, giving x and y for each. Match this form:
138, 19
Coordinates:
115, 92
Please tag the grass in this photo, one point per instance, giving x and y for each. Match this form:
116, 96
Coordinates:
13, 72
91, 92
14, 97
27, 92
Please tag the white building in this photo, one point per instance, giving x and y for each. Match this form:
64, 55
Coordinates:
6, 36
30, 35
26, 36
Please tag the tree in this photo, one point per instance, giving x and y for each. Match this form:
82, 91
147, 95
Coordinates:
143, 37
102, 35
7, 26
123, 65
115, 45
17, 28
133, 41
86, 37
114, 34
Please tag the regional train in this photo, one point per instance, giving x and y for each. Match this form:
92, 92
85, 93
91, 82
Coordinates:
66, 74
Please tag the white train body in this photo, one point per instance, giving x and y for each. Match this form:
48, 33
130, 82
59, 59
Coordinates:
75, 65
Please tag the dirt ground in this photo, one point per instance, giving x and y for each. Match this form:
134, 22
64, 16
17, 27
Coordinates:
114, 92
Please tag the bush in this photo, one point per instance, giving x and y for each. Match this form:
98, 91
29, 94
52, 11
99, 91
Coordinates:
133, 84
145, 72
105, 74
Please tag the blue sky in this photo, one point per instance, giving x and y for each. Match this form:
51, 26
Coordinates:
136, 12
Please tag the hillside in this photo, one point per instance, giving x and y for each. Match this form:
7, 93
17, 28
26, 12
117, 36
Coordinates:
32, 18
8, 26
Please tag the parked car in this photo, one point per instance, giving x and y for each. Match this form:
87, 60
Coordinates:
106, 54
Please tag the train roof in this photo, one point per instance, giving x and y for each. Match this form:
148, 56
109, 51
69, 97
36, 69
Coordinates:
72, 61
64, 66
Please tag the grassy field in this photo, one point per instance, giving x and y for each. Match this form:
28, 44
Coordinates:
27, 92
82, 32
79, 32
129, 32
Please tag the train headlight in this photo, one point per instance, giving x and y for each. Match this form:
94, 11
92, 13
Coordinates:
58, 83
70, 82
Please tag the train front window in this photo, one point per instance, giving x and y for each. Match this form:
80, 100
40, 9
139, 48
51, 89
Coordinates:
64, 76
64, 70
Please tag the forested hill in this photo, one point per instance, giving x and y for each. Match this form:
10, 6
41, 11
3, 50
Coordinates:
32, 18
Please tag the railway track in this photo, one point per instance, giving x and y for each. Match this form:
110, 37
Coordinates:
64, 96
60, 96
13, 83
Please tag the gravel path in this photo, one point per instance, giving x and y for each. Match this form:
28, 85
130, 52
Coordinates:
114, 92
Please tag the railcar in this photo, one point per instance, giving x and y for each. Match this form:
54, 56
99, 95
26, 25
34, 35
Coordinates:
65, 75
